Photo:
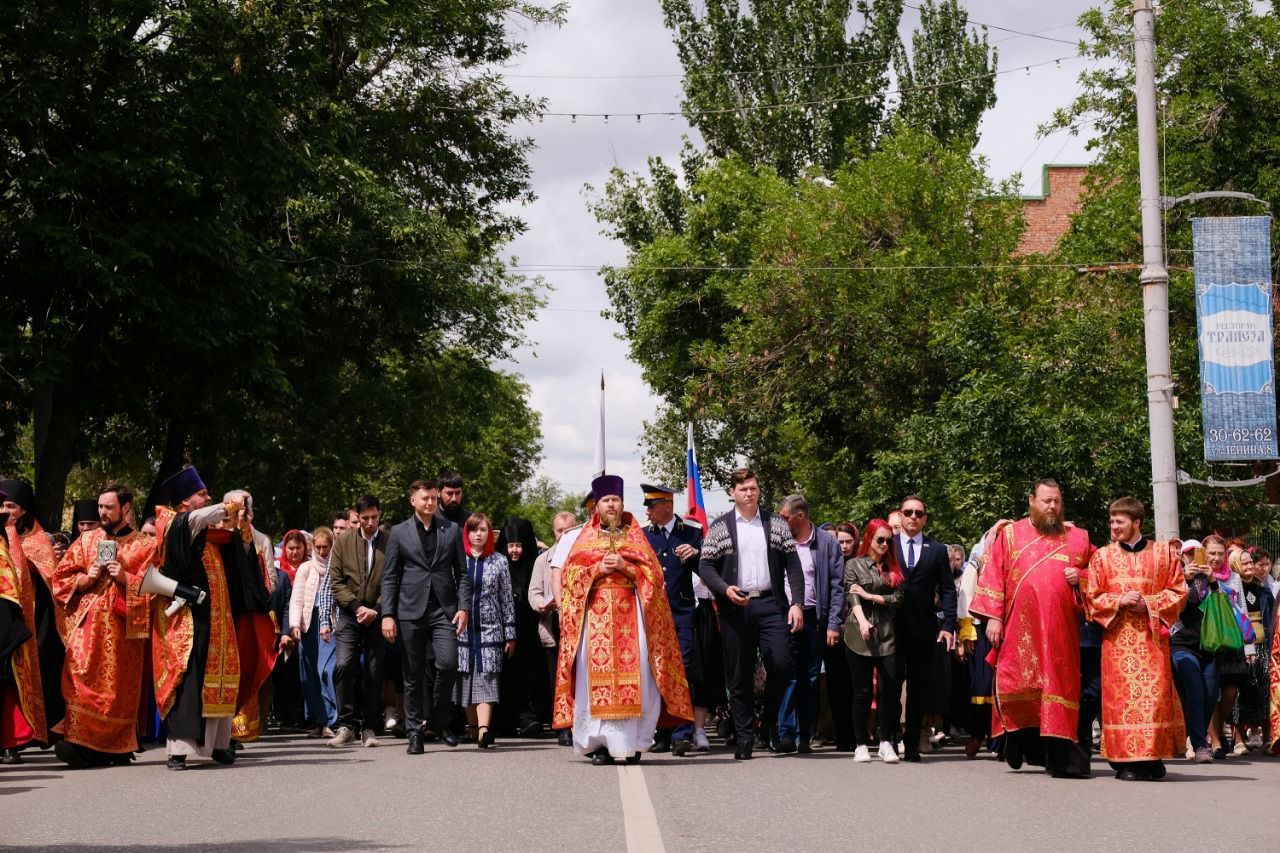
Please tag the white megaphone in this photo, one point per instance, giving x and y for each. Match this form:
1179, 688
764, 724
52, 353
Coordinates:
154, 583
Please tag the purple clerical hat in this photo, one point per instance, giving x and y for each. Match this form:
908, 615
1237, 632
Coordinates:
183, 485
606, 484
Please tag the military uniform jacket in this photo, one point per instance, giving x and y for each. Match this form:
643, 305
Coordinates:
678, 573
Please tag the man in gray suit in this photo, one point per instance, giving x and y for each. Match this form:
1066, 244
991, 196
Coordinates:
426, 596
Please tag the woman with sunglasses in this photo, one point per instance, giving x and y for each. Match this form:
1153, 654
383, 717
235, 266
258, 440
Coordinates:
874, 584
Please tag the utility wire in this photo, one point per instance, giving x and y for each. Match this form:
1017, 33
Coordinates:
1020, 33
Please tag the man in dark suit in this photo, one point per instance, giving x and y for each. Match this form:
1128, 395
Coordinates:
355, 576
677, 545
823, 601
927, 582
748, 559
426, 596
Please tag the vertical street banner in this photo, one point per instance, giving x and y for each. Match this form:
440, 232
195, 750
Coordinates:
1237, 361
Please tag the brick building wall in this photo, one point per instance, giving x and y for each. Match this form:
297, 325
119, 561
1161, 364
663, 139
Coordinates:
1048, 215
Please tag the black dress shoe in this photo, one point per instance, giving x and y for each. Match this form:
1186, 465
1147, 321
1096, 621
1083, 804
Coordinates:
415, 744
565, 738
661, 746
786, 746
1068, 774
804, 748
486, 738
634, 758
1127, 776
176, 762
1158, 772
71, 755
1012, 753
601, 757
742, 754
223, 756
682, 747
530, 729
10, 756
913, 757
448, 738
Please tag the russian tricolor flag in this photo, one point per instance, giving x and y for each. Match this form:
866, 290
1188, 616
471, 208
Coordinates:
697, 509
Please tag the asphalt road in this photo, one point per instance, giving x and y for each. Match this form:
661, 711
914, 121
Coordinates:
287, 794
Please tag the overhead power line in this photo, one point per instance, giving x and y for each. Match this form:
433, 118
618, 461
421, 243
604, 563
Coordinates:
1020, 33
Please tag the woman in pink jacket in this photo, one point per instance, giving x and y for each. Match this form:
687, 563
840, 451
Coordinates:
304, 620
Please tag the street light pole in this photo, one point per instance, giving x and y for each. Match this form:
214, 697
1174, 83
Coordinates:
1154, 280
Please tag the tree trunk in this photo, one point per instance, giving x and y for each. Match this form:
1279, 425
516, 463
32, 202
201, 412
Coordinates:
56, 429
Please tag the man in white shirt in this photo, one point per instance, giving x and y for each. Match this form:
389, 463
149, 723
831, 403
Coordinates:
748, 560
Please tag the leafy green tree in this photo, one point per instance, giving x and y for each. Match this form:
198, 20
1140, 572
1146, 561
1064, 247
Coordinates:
1219, 88
801, 84
947, 78
541, 501
221, 213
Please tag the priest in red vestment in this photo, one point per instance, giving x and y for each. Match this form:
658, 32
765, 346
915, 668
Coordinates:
196, 653
22, 719
619, 671
1029, 594
107, 623
1135, 590
33, 556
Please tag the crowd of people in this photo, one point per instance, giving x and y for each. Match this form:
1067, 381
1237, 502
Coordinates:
763, 629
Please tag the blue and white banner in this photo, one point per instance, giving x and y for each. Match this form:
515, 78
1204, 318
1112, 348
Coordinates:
1237, 362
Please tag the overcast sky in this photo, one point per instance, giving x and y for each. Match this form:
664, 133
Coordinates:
569, 344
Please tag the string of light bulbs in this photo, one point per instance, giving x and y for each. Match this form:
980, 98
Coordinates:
768, 109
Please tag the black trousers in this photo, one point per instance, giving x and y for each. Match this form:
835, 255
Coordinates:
888, 688
430, 636
840, 694
1090, 696
357, 673
918, 669
760, 626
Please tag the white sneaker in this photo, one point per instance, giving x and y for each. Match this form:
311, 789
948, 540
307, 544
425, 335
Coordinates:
862, 755
888, 754
344, 736
1191, 750
902, 747
368, 738
389, 718
700, 742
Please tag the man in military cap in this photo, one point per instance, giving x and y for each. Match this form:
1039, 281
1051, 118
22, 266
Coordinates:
677, 545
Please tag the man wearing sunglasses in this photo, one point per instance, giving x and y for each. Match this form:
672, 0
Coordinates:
921, 636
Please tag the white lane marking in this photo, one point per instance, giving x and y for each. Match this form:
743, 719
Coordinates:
638, 816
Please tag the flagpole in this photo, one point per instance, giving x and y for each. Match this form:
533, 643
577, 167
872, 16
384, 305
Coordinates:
599, 465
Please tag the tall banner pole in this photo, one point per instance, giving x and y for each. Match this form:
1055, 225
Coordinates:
1154, 280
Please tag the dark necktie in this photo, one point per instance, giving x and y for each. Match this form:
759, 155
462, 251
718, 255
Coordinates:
911, 554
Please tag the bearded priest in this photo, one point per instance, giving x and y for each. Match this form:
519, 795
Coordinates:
1029, 593
619, 674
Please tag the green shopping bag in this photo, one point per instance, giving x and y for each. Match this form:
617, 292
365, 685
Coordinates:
1219, 629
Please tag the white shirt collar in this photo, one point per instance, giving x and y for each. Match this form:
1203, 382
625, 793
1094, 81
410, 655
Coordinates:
738, 517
